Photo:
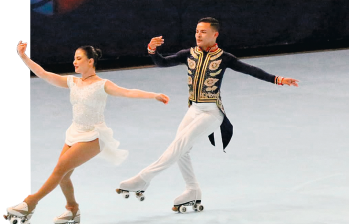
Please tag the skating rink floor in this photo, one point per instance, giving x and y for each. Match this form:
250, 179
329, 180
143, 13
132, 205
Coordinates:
287, 163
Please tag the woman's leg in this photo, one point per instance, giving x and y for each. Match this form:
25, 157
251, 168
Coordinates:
73, 157
68, 188
68, 191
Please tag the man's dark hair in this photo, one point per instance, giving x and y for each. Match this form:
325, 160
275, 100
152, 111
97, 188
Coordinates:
212, 21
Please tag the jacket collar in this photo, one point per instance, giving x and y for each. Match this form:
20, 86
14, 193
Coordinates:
210, 49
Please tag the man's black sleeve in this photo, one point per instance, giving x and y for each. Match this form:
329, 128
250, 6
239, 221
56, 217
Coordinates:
237, 65
172, 60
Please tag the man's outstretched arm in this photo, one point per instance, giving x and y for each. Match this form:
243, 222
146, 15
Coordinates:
239, 66
161, 61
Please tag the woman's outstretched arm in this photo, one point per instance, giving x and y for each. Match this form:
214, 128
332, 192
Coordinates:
52, 78
115, 90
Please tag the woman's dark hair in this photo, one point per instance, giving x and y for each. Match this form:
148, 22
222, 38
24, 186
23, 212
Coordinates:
212, 21
92, 52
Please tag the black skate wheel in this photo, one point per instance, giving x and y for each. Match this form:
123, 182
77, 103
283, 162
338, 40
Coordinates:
15, 221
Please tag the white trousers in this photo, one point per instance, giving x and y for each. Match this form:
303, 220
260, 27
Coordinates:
201, 119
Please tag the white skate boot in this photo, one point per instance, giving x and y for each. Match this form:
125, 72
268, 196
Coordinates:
135, 184
189, 197
19, 214
67, 218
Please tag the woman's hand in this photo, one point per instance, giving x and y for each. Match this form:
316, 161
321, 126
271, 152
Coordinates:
162, 98
21, 47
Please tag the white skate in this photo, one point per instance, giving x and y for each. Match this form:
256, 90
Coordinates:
189, 197
68, 218
19, 214
135, 184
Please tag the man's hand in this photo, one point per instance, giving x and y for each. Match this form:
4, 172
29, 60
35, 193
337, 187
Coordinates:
156, 42
290, 82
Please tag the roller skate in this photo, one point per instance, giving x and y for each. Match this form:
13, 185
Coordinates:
67, 218
188, 198
19, 214
135, 184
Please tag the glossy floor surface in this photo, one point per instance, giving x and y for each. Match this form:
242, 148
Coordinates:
287, 162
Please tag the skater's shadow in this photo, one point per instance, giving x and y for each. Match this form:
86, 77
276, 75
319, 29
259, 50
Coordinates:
175, 218
205, 217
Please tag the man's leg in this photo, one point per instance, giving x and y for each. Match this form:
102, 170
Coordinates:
202, 123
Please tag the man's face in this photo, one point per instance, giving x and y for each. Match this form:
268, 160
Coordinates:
205, 35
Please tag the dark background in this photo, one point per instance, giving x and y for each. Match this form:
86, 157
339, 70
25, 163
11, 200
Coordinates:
122, 28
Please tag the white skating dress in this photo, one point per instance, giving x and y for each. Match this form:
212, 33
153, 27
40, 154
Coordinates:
88, 120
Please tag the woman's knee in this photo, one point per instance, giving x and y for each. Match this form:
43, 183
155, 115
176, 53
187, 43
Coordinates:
61, 169
66, 179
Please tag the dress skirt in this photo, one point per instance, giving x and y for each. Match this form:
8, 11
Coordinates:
108, 145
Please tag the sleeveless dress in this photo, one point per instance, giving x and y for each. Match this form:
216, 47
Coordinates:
88, 120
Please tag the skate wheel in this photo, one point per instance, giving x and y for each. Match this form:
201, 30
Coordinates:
182, 209
125, 194
200, 208
140, 196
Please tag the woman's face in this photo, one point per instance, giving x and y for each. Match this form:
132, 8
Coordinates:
81, 62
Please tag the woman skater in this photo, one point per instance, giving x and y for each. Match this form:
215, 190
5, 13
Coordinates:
87, 136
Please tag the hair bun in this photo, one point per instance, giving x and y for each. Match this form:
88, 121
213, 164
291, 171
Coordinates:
99, 53
92, 52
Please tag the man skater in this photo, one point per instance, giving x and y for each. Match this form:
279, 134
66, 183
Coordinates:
206, 66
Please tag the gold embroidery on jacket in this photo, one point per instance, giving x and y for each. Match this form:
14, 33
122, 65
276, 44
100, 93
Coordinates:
211, 81
197, 73
217, 56
189, 71
220, 105
204, 84
191, 64
213, 88
191, 94
193, 53
202, 76
216, 73
190, 80
214, 65
211, 97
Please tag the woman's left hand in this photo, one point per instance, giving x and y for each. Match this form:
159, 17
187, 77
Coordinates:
162, 98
